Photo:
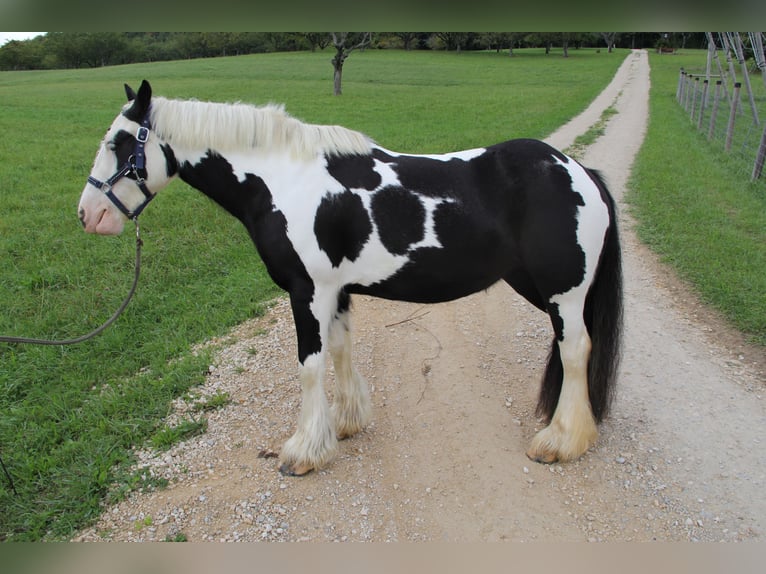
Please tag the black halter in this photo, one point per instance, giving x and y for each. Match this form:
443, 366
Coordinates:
135, 165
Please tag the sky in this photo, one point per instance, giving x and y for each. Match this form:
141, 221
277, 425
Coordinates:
7, 36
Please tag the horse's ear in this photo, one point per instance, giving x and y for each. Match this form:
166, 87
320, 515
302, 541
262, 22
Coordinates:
145, 94
141, 101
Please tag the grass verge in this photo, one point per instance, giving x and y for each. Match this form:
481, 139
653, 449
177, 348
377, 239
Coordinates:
696, 208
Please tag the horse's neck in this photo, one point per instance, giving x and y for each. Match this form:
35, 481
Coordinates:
235, 180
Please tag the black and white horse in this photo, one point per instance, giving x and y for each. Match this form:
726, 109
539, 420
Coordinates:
332, 213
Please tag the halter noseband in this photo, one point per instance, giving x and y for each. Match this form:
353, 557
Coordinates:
136, 165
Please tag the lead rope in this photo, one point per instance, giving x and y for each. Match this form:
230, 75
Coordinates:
95, 332
108, 322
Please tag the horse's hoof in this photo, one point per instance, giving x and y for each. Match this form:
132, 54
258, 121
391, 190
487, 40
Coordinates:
542, 457
295, 469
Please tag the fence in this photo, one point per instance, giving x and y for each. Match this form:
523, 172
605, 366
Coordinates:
717, 111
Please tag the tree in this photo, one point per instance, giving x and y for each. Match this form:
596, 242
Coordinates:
609, 38
513, 38
345, 43
493, 40
407, 39
19, 55
282, 41
317, 40
456, 40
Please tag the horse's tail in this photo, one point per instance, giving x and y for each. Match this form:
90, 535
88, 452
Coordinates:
603, 319
603, 315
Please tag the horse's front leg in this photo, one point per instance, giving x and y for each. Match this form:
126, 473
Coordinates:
351, 407
314, 443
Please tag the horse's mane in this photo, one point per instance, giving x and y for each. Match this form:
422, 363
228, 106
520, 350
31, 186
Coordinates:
241, 127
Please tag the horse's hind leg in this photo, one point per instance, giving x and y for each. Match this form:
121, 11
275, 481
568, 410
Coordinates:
565, 403
572, 429
351, 407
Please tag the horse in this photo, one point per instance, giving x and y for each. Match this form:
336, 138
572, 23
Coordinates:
333, 214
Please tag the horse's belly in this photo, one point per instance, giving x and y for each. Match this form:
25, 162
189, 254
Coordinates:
433, 277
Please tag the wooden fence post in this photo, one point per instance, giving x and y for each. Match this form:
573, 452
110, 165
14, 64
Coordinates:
759, 157
680, 88
689, 84
732, 116
702, 105
739, 52
714, 111
694, 97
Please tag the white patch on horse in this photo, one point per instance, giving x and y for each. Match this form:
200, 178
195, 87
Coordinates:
592, 223
387, 174
374, 264
464, 155
430, 237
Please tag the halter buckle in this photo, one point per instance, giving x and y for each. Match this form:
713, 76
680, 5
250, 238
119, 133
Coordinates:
142, 135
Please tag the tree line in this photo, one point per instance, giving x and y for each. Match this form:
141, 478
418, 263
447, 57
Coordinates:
62, 50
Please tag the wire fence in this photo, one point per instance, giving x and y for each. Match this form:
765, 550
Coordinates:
728, 119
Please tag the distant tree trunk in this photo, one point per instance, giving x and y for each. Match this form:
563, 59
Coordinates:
337, 66
407, 38
337, 76
609, 39
453, 40
344, 45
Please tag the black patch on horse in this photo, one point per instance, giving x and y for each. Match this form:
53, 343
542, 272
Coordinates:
427, 176
400, 217
124, 144
171, 163
342, 226
354, 172
250, 201
380, 155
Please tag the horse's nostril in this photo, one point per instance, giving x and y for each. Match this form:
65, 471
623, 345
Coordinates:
81, 213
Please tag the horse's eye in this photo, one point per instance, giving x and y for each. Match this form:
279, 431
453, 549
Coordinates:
111, 146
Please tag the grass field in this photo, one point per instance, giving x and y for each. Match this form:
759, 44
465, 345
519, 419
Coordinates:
69, 416
696, 205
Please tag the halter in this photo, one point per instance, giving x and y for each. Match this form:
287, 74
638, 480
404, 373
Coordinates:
135, 165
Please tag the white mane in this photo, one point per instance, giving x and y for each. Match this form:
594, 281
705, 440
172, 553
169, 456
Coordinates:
238, 127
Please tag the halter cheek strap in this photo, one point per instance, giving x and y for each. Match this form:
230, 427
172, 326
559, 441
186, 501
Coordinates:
136, 165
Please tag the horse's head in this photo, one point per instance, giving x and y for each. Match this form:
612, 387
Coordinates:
131, 166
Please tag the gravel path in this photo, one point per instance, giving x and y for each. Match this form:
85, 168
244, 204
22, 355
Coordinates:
453, 389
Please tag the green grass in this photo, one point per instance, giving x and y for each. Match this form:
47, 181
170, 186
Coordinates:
69, 416
697, 208
214, 402
594, 132
167, 436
